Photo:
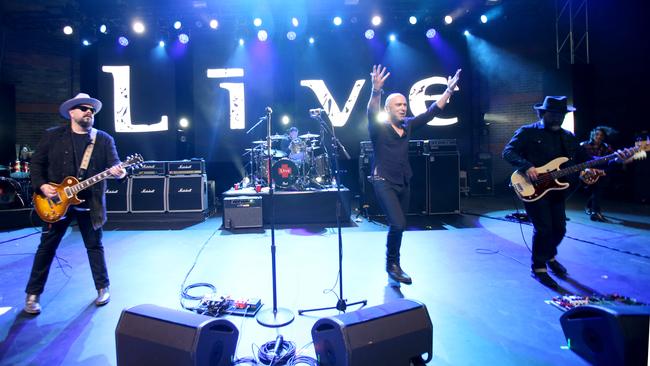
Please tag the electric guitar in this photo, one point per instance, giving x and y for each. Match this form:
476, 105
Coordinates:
547, 175
54, 209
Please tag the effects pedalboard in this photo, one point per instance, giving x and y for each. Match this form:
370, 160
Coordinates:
215, 305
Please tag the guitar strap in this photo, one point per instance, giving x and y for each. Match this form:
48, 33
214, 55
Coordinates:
89, 151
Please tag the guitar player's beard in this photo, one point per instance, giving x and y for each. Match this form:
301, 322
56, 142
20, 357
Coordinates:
85, 122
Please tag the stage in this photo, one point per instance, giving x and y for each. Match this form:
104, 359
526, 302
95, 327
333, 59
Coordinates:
470, 270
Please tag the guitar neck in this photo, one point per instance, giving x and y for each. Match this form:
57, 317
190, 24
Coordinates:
92, 180
587, 164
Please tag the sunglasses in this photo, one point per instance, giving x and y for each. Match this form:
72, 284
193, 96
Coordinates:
83, 108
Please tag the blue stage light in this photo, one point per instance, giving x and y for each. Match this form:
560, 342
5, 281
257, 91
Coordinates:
85, 42
484, 18
448, 19
311, 40
123, 41
161, 44
291, 35
413, 20
337, 21
370, 34
138, 27
262, 35
392, 37
431, 33
241, 41
183, 38
214, 24
177, 24
466, 33
295, 22
103, 29
376, 20
257, 22
67, 30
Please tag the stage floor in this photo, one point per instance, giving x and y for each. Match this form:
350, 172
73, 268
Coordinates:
471, 271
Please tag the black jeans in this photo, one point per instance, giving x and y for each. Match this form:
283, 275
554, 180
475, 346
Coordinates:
50, 240
549, 222
596, 190
394, 201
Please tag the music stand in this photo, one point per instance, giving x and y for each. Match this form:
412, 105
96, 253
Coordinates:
341, 304
276, 317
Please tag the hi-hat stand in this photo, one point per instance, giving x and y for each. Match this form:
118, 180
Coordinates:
341, 304
276, 317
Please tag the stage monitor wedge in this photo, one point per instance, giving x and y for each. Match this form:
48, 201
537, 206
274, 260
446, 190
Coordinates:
153, 335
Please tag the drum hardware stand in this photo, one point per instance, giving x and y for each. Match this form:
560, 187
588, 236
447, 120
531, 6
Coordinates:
276, 317
341, 304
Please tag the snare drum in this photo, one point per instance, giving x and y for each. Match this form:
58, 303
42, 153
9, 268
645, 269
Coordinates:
284, 173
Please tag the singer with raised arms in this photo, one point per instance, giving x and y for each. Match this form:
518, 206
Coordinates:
391, 171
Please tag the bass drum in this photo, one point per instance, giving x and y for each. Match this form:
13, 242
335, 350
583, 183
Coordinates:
284, 173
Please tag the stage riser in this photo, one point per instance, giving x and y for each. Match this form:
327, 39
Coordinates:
312, 207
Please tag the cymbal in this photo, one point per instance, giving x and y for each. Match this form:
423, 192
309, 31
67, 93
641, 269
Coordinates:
278, 137
309, 136
259, 142
275, 153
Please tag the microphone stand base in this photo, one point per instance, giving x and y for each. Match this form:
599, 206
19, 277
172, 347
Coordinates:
275, 318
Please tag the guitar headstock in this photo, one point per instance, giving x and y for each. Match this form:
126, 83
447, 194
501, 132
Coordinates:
642, 145
133, 161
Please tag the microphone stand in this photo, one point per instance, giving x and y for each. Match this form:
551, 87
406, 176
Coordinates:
341, 304
276, 317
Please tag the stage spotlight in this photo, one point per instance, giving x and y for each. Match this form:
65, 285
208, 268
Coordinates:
311, 40
431, 33
466, 33
262, 35
138, 27
161, 43
177, 24
103, 29
382, 117
413, 20
448, 19
376, 20
285, 120
484, 18
257, 22
241, 41
295, 22
291, 35
337, 21
85, 42
392, 37
183, 38
184, 123
123, 41
67, 30
370, 34
214, 24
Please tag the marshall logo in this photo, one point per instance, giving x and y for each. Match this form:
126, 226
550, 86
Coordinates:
184, 166
148, 166
148, 190
111, 191
185, 190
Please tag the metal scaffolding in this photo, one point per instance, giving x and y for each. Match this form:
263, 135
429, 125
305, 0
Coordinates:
571, 31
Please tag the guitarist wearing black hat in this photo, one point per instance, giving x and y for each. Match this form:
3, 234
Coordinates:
59, 154
533, 146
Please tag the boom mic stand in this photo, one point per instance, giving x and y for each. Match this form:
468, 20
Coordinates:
341, 304
276, 317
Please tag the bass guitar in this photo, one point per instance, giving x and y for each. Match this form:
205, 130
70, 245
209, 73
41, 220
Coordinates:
54, 209
548, 175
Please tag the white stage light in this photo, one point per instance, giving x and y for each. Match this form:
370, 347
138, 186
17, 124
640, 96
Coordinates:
376, 20
67, 30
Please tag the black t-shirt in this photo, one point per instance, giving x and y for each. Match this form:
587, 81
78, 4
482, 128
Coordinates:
80, 141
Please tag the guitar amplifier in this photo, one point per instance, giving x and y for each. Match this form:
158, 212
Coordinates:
117, 195
242, 212
151, 168
416, 147
366, 148
444, 183
480, 181
186, 167
148, 194
187, 193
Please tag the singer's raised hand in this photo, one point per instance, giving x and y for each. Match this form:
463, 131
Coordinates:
378, 76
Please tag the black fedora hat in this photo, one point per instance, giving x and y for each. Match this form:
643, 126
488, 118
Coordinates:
554, 104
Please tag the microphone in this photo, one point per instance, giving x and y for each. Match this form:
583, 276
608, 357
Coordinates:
268, 110
316, 111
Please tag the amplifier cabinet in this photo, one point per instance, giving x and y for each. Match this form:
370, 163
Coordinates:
186, 167
117, 195
242, 212
444, 183
187, 193
148, 194
151, 168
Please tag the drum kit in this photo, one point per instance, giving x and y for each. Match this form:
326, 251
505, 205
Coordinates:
14, 184
297, 164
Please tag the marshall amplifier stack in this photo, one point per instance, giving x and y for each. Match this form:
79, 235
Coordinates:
435, 185
160, 186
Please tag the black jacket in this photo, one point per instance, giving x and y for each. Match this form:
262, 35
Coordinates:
533, 145
54, 160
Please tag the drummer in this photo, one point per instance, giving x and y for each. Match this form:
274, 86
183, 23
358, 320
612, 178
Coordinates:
286, 143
